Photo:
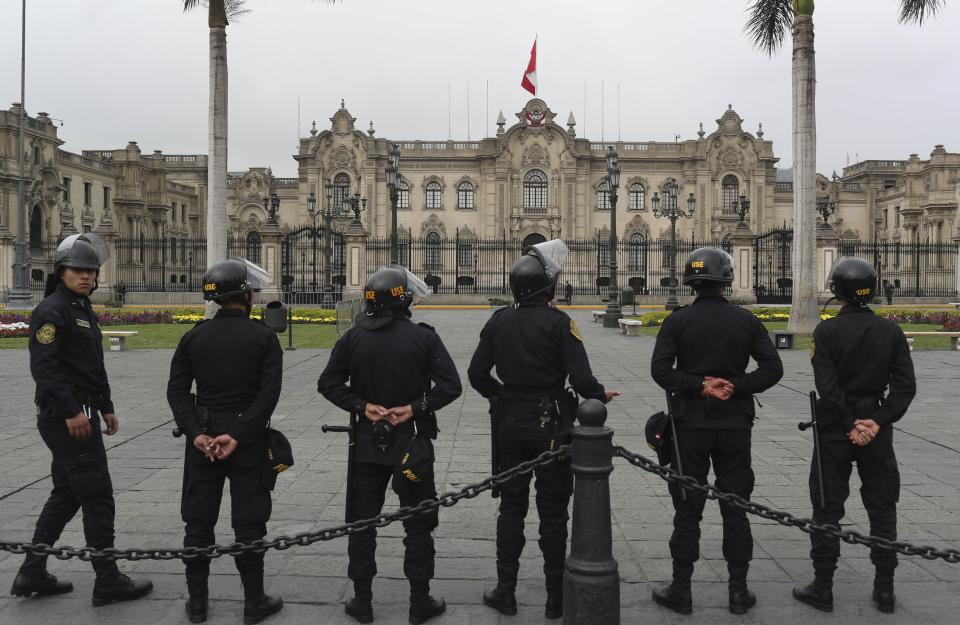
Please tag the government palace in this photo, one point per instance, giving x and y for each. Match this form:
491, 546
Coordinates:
535, 179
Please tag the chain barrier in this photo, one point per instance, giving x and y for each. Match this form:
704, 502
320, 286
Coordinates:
302, 539
690, 484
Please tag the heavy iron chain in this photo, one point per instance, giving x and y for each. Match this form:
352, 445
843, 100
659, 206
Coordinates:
689, 483
302, 539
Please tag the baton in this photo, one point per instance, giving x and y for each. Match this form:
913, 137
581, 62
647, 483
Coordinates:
676, 442
818, 462
351, 455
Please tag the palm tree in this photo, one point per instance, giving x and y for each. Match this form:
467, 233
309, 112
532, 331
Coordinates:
218, 14
767, 25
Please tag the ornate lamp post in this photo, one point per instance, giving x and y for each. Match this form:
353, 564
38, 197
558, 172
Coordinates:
613, 182
312, 212
672, 211
271, 204
20, 297
393, 180
328, 214
826, 207
742, 206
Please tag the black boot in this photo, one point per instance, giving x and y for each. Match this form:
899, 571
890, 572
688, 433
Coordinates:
503, 598
197, 608
34, 578
818, 593
112, 585
741, 599
360, 606
257, 605
883, 595
423, 607
676, 595
554, 582
256, 610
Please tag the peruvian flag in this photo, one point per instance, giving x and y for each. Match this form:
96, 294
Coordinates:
529, 81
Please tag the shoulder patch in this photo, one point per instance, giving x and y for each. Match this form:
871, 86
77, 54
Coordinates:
575, 331
46, 334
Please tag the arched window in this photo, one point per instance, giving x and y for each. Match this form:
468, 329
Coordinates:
603, 196
36, 228
434, 195
431, 256
637, 197
253, 247
535, 191
341, 189
731, 192
465, 197
403, 195
533, 239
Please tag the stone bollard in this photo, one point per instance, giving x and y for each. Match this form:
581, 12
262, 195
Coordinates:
591, 582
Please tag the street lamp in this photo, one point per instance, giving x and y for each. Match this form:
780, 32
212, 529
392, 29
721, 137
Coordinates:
613, 182
328, 214
742, 208
672, 211
20, 296
393, 180
312, 211
271, 205
826, 207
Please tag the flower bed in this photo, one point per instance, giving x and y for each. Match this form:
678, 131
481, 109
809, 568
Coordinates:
299, 316
14, 330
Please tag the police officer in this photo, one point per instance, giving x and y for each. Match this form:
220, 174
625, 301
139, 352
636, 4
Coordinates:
73, 395
701, 358
534, 347
857, 356
390, 363
237, 364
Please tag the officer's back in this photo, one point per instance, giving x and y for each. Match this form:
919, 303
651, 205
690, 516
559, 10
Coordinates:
229, 355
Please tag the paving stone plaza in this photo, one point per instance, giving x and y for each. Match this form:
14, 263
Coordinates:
146, 464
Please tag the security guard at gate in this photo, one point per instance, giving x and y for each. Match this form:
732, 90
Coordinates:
390, 363
237, 364
534, 347
700, 359
73, 396
856, 357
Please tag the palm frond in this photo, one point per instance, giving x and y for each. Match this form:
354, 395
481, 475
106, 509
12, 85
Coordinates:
768, 23
915, 11
232, 8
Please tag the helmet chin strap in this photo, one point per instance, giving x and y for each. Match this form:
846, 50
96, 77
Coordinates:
827, 303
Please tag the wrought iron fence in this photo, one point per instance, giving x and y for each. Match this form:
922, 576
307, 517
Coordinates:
314, 266
914, 269
482, 266
170, 264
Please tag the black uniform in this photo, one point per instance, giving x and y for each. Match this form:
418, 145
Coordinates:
238, 367
856, 357
534, 347
713, 338
390, 366
66, 361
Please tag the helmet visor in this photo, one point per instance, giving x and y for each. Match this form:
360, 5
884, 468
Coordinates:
552, 255
257, 277
94, 239
415, 286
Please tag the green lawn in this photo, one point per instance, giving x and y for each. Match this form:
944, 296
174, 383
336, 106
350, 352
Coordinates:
167, 335
920, 342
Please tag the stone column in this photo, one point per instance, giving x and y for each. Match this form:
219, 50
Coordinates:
744, 259
109, 275
355, 256
271, 259
828, 250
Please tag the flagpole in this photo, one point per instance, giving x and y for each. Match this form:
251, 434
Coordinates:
603, 110
487, 114
468, 110
618, 111
585, 109
449, 112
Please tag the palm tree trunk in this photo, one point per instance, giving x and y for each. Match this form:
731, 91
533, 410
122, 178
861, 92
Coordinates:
803, 312
217, 145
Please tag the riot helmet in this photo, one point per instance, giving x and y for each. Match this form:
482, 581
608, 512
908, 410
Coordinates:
233, 277
387, 291
536, 272
708, 265
852, 279
81, 251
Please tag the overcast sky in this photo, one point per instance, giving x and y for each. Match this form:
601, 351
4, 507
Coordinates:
120, 70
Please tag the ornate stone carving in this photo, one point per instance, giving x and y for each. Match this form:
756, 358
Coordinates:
433, 224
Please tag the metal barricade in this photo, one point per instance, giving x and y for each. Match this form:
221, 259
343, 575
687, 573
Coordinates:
347, 310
